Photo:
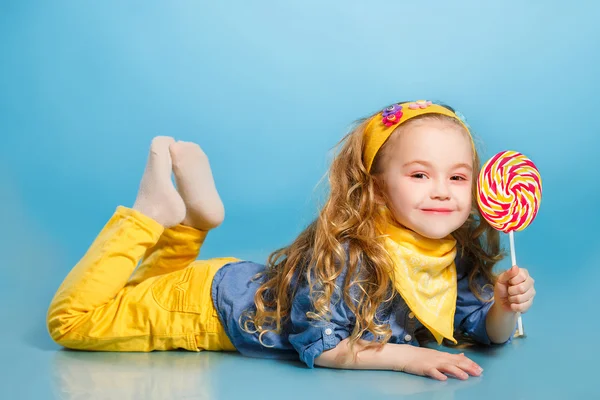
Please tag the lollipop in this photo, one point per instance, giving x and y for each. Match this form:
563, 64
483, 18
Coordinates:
509, 193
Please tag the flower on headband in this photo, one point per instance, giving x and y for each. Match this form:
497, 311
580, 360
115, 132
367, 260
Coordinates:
393, 109
392, 115
419, 104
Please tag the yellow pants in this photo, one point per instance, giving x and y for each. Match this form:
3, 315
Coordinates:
166, 304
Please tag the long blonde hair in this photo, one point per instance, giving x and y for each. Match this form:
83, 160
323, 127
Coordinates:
349, 217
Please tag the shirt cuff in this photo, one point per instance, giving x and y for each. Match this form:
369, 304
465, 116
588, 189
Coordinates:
329, 337
475, 326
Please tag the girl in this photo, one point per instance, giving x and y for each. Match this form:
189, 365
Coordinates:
398, 249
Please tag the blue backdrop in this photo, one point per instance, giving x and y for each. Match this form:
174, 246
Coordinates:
267, 89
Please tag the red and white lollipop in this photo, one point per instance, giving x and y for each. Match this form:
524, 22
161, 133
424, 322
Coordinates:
509, 195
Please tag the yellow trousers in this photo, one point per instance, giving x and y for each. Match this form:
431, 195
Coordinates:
166, 304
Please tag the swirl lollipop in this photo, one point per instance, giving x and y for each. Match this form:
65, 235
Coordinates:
509, 193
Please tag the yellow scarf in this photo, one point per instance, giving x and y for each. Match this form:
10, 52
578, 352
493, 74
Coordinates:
425, 277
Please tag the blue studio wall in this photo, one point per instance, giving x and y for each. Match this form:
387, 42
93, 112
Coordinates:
267, 89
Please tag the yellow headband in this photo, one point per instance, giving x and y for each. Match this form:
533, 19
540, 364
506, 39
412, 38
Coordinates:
381, 126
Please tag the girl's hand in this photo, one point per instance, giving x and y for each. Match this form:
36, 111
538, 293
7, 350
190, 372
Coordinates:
514, 290
429, 362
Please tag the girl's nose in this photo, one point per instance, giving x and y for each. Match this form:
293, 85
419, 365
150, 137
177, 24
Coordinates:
440, 191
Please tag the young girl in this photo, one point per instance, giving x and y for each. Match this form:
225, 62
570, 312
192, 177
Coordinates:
399, 248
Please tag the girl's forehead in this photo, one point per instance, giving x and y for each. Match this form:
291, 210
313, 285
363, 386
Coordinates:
435, 140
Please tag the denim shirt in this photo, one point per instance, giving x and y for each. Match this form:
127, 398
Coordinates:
233, 292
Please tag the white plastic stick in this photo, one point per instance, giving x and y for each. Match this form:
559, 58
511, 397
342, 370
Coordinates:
513, 256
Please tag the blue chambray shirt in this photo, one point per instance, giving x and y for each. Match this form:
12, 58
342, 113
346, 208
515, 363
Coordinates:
233, 292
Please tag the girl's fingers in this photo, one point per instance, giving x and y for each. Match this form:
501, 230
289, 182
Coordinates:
454, 371
470, 368
435, 374
507, 275
468, 365
520, 278
523, 307
522, 298
520, 289
454, 365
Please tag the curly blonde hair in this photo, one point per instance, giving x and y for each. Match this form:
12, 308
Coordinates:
350, 217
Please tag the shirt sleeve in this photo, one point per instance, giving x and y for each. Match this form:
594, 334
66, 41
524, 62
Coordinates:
471, 313
311, 338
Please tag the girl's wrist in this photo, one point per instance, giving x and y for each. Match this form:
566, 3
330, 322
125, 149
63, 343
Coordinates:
500, 310
402, 356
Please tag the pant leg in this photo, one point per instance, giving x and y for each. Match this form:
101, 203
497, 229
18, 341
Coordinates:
93, 309
176, 249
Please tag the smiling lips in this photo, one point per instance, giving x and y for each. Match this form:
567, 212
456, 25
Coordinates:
443, 211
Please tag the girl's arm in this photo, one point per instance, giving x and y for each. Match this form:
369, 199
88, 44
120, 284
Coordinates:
399, 357
500, 324
390, 357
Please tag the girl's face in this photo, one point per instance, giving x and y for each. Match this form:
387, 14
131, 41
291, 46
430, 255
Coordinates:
427, 177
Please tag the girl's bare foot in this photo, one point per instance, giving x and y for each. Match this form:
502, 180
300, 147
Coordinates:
157, 197
196, 186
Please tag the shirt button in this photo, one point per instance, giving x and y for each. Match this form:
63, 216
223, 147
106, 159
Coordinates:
408, 338
411, 315
328, 331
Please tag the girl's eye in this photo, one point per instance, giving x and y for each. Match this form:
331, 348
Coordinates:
460, 178
418, 176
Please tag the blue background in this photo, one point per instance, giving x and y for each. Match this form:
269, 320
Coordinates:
267, 89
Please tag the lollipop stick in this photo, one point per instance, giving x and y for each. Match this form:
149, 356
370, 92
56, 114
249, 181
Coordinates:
513, 255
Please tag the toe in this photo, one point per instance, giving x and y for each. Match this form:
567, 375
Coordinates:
175, 150
161, 143
181, 151
163, 139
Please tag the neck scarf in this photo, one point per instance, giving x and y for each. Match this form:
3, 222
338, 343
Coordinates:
425, 276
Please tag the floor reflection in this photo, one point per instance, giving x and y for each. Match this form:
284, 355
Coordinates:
159, 375
182, 375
